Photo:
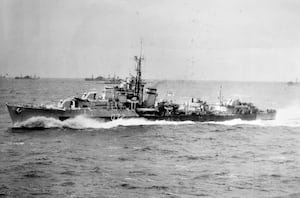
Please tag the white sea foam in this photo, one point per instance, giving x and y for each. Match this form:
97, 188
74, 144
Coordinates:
289, 117
81, 122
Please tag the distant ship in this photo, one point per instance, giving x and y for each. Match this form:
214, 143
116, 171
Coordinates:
108, 80
99, 78
129, 100
293, 83
114, 80
27, 77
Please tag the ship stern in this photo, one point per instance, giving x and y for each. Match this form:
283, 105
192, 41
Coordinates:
269, 114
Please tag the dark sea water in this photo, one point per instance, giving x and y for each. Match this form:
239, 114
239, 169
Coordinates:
139, 158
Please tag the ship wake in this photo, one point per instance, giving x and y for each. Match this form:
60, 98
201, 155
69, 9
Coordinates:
81, 122
287, 117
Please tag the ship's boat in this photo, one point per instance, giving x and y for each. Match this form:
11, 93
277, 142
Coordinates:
129, 100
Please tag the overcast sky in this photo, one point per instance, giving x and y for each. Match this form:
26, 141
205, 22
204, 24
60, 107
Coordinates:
248, 40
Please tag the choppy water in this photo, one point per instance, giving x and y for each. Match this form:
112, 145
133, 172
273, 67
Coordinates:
139, 158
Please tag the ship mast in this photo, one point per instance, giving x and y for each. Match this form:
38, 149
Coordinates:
138, 81
220, 96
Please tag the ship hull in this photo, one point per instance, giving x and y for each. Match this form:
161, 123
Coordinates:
198, 118
19, 113
211, 117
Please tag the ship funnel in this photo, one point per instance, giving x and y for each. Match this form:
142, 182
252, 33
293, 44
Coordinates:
151, 94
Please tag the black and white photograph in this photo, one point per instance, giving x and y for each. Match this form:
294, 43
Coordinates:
157, 98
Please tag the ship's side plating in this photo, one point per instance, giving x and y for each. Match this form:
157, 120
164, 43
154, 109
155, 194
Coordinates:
19, 113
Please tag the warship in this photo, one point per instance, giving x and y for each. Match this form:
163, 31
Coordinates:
293, 83
130, 100
99, 78
114, 80
27, 77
